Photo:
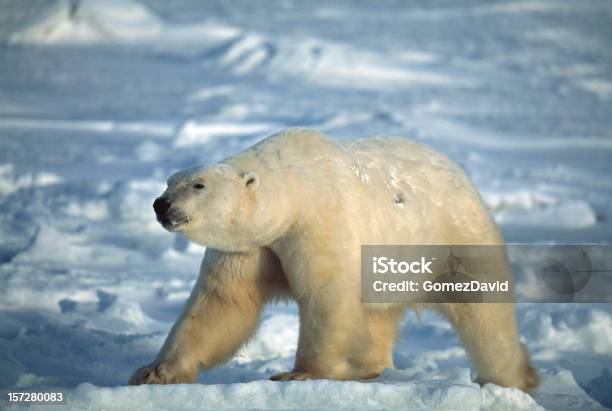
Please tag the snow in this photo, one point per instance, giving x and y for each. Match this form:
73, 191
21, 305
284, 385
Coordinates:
75, 22
569, 214
9, 183
101, 101
194, 132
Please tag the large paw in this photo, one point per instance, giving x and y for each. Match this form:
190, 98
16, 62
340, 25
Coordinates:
292, 376
160, 373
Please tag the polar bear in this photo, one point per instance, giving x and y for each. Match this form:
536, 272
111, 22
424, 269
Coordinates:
286, 219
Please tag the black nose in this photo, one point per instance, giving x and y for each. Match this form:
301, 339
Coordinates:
161, 206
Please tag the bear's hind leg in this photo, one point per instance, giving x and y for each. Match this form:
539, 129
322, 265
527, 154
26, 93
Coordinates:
488, 334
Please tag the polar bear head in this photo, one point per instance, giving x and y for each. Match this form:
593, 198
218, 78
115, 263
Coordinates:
217, 206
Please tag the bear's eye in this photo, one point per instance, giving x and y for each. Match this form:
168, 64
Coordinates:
198, 186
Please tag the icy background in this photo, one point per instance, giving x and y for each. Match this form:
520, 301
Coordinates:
101, 100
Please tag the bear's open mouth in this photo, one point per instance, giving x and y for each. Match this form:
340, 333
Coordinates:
173, 225
184, 221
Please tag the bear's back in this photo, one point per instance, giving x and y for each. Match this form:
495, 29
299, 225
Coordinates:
394, 161
408, 188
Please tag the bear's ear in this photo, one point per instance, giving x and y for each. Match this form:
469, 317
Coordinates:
250, 178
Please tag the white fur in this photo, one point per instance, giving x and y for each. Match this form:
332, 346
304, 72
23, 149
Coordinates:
287, 218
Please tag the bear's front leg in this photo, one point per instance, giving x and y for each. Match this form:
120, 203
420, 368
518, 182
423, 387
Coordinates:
334, 334
220, 315
164, 372
333, 338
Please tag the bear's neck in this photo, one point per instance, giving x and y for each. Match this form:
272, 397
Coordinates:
294, 189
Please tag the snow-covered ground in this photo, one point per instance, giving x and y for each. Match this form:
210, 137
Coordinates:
101, 100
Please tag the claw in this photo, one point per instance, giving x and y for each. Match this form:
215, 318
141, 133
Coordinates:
292, 376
